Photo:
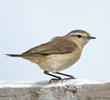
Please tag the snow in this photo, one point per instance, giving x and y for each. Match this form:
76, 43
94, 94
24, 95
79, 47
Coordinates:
45, 84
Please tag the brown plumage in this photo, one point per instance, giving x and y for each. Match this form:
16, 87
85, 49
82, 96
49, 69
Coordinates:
58, 45
58, 54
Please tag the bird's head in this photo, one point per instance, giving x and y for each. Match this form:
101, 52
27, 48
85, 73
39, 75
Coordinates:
81, 36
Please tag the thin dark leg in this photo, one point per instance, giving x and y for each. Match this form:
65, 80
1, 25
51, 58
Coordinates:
66, 75
47, 73
53, 79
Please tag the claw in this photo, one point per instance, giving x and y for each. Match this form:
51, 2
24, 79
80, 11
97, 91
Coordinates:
54, 80
72, 77
64, 79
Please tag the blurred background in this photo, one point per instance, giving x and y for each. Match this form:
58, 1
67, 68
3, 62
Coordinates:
27, 23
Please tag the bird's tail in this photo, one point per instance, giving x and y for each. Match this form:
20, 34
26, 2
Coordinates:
16, 55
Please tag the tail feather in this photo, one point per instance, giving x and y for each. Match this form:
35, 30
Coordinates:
15, 55
21, 55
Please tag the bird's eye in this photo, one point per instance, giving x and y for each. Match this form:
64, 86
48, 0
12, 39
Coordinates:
79, 36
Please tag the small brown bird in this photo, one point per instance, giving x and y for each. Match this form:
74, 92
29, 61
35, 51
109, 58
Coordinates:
58, 54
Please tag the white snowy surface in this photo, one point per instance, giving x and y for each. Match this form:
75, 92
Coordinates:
45, 84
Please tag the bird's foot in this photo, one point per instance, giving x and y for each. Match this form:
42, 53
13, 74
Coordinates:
55, 80
71, 77
64, 79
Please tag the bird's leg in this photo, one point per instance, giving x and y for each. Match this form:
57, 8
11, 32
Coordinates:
53, 79
70, 76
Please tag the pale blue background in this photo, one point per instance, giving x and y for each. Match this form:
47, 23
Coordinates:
27, 23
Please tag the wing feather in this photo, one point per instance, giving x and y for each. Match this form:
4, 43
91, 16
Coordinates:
58, 45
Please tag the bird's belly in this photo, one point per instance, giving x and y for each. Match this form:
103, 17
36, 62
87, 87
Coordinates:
58, 62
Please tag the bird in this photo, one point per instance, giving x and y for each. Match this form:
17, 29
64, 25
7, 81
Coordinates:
58, 54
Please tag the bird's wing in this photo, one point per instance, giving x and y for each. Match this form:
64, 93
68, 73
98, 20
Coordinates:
58, 45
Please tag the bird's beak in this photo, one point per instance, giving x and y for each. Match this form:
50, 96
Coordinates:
91, 37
